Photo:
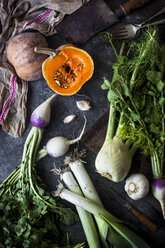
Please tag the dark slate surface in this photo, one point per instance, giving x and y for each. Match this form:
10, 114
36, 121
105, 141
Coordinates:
11, 149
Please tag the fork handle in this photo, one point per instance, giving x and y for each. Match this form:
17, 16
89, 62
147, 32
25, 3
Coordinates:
160, 12
153, 23
131, 5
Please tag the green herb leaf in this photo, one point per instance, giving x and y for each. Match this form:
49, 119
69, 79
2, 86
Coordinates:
106, 84
160, 86
68, 217
154, 76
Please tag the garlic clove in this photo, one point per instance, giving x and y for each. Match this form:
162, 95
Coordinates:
83, 105
69, 119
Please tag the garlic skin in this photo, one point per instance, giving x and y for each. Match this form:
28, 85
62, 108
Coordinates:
69, 119
83, 105
137, 186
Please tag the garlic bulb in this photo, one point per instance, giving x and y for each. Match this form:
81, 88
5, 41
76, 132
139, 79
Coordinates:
137, 186
83, 105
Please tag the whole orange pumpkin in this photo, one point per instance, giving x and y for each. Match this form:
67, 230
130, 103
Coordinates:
20, 53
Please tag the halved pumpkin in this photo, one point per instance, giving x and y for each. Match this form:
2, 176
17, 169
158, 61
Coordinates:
67, 69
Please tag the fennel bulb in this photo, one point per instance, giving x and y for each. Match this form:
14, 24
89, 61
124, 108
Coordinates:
113, 160
136, 92
130, 99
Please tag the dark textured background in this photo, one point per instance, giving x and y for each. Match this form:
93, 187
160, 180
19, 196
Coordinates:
11, 148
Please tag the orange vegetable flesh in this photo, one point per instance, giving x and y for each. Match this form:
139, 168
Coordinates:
68, 70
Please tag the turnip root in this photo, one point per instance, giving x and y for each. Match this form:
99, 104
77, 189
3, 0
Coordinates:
41, 115
58, 146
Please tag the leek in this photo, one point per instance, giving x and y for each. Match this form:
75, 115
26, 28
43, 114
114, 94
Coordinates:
77, 167
85, 217
126, 237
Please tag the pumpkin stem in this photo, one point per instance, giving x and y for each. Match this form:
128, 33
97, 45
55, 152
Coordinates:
46, 50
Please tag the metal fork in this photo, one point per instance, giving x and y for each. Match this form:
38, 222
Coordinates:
129, 31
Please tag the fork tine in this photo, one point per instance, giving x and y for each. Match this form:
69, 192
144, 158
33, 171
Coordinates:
120, 32
122, 26
125, 32
120, 36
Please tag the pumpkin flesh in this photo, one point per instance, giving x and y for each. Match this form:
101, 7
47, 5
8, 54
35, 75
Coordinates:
68, 70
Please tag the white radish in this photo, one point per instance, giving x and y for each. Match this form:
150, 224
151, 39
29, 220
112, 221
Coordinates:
58, 146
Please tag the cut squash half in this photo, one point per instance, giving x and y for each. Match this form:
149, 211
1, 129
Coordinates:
67, 69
